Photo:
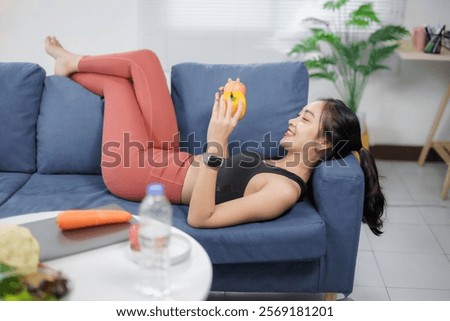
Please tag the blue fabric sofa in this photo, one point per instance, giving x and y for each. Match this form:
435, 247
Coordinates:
50, 147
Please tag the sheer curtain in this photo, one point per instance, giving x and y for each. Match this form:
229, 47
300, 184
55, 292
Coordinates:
234, 31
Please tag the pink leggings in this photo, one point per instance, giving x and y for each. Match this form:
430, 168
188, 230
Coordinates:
140, 132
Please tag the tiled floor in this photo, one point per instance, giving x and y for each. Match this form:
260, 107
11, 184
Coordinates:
411, 260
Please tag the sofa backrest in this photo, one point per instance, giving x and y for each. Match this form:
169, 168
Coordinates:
276, 92
21, 87
69, 129
52, 125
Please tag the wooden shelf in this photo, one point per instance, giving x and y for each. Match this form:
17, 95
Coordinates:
406, 52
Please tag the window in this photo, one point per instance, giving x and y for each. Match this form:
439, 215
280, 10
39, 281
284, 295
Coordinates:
235, 31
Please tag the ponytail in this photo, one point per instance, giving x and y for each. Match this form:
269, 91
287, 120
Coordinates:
340, 127
374, 200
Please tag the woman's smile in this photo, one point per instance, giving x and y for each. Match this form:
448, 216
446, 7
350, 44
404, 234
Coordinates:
289, 132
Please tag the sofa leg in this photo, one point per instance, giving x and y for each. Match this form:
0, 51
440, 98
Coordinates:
330, 296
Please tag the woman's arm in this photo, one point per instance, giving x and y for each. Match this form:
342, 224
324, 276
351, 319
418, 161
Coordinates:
203, 199
272, 200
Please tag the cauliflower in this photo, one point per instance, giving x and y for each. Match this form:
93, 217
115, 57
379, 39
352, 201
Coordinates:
19, 249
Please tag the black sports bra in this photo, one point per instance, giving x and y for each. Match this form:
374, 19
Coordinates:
235, 173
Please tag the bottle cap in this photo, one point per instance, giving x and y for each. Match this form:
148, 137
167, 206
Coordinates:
155, 189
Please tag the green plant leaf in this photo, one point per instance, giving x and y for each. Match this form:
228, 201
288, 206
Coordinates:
363, 69
388, 33
321, 63
334, 5
363, 16
368, 69
328, 37
379, 67
379, 54
305, 46
316, 31
317, 21
353, 52
311, 44
330, 75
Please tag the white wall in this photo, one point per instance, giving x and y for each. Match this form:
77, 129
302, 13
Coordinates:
84, 26
400, 105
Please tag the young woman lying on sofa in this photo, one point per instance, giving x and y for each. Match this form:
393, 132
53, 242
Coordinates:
138, 105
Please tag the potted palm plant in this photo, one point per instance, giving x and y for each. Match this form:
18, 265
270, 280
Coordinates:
345, 52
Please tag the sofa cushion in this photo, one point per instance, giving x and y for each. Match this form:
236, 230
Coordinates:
69, 129
276, 92
10, 183
299, 234
20, 95
60, 192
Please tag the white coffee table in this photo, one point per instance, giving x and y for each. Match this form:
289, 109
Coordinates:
108, 273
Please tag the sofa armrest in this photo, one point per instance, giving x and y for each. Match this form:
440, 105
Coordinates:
338, 193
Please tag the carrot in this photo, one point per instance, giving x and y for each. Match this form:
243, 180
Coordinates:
73, 219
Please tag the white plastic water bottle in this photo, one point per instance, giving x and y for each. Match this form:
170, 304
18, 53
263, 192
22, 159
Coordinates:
154, 236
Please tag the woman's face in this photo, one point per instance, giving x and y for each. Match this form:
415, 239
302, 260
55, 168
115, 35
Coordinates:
302, 133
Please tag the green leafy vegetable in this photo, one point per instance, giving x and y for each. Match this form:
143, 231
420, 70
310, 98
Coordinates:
13, 288
9, 281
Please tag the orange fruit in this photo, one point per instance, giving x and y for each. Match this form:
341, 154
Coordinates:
235, 85
235, 97
235, 90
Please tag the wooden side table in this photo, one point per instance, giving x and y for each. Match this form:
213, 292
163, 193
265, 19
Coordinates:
406, 52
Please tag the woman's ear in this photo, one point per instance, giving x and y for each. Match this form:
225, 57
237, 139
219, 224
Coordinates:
322, 145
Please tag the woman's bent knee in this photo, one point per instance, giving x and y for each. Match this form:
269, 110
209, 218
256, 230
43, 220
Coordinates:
146, 54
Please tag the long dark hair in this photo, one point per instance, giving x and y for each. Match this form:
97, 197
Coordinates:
341, 129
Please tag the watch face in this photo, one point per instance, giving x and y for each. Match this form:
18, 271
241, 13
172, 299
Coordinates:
214, 161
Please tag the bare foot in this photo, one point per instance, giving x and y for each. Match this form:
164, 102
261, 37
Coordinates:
66, 62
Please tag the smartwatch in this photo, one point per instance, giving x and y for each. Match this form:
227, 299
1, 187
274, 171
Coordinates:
212, 160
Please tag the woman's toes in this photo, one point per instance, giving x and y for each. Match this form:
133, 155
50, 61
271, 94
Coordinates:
48, 41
